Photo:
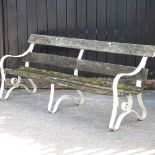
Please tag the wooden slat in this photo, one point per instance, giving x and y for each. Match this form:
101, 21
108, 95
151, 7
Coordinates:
98, 86
102, 46
83, 65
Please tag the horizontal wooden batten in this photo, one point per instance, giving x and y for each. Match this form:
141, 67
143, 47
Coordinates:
83, 65
92, 85
94, 45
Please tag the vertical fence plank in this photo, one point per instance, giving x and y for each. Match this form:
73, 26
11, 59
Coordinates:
32, 16
61, 26
52, 26
12, 32
42, 16
111, 27
101, 26
91, 27
131, 28
1, 31
32, 20
5, 17
121, 27
42, 25
81, 24
151, 33
22, 25
71, 26
52, 17
141, 25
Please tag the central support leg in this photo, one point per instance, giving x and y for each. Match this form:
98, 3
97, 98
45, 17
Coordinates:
63, 97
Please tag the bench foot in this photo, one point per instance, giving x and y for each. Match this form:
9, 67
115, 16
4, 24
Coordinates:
16, 82
63, 97
126, 108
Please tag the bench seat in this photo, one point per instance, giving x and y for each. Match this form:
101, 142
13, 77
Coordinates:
93, 85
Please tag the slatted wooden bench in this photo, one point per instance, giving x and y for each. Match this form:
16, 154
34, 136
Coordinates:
130, 85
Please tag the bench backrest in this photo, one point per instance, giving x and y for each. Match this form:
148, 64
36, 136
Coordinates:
85, 65
94, 45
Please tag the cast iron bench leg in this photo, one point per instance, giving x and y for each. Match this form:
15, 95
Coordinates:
16, 82
64, 97
126, 106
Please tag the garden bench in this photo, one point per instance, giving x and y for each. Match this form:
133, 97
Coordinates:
130, 85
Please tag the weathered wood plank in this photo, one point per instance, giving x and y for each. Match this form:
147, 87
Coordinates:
94, 45
98, 86
83, 65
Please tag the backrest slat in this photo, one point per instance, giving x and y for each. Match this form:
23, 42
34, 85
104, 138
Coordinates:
83, 65
94, 45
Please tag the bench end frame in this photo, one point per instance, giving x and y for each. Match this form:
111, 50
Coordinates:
126, 107
16, 82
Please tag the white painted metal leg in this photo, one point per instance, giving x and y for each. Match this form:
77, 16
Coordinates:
51, 98
33, 85
64, 97
114, 113
127, 105
140, 102
81, 97
2, 84
15, 82
3, 75
126, 108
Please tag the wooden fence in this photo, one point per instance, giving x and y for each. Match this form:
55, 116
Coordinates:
130, 21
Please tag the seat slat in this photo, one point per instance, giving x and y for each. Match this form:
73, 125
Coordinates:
83, 65
98, 86
94, 45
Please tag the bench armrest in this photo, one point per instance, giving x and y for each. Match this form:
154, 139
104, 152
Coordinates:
16, 56
119, 76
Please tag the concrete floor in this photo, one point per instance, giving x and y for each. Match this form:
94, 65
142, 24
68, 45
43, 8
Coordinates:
26, 128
